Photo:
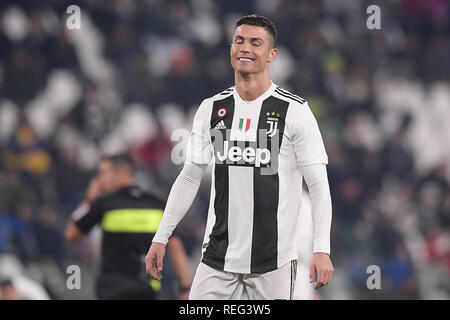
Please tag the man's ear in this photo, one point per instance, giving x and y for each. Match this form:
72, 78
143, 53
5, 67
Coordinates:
273, 54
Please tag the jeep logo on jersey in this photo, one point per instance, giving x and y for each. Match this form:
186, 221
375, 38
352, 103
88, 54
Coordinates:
249, 155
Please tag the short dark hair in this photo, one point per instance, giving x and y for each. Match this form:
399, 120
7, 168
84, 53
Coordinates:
121, 160
259, 21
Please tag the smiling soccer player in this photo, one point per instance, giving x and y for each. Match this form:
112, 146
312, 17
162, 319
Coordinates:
264, 140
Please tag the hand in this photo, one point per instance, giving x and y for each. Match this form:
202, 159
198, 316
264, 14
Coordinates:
321, 264
154, 260
94, 190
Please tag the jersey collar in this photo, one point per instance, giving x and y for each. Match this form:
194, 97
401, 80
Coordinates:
262, 97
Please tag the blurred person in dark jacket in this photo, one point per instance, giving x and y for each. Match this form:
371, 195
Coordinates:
129, 218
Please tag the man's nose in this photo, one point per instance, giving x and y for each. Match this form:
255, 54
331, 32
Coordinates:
245, 48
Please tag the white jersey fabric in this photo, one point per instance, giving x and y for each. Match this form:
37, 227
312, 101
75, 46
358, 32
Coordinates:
257, 147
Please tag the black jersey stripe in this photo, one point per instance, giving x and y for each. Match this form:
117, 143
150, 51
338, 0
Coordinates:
266, 189
290, 96
216, 249
299, 100
227, 103
289, 93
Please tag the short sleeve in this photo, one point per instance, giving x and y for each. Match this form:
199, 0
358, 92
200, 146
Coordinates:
93, 216
199, 147
308, 144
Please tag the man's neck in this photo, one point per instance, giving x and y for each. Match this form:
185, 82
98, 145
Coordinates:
250, 87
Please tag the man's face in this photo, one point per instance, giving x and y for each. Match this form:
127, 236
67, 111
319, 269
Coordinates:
252, 49
107, 175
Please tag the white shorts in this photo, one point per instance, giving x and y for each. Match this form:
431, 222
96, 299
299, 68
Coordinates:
212, 284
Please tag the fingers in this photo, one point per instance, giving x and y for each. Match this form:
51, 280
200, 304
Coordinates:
312, 272
324, 276
328, 275
324, 271
159, 262
150, 266
313, 269
318, 284
94, 189
320, 278
154, 264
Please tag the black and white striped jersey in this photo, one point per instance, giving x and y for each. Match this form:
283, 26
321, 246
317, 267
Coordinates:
257, 148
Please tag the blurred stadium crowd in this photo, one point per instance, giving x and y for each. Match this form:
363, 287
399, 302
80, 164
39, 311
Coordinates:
137, 70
